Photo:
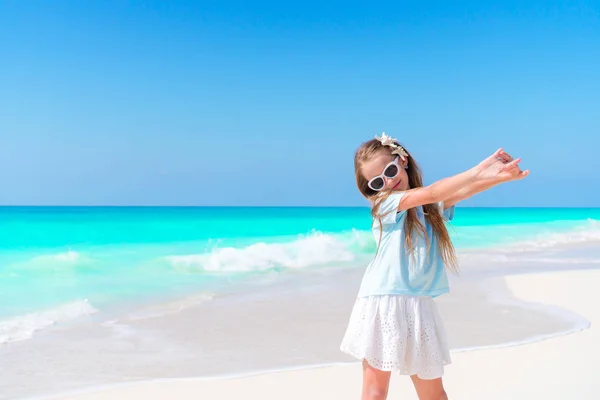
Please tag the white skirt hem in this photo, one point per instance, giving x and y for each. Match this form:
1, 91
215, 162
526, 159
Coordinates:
404, 334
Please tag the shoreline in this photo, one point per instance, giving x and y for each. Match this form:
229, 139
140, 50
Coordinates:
198, 386
278, 322
577, 324
250, 374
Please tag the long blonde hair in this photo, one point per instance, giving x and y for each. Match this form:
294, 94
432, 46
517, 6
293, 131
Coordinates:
433, 214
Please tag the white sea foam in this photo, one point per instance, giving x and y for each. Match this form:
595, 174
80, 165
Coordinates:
24, 326
586, 233
69, 256
54, 262
320, 249
313, 250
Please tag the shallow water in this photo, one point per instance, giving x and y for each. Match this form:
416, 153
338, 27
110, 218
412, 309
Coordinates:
99, 296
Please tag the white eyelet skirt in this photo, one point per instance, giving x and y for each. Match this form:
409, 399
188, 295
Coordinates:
404, 334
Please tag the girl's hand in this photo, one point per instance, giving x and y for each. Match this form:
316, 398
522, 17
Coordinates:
500, 167
516, 173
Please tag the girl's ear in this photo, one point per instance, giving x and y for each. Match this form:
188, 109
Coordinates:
404, 162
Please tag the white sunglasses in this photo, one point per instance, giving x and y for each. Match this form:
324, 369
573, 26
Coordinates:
390, 171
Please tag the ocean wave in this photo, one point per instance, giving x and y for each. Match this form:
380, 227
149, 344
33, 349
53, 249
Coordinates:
319, 249
69, 256
55, 262
588, 232
23, 327
309, 251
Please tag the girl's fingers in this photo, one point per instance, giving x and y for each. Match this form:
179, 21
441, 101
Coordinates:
511, 164
506, 157
495, 156
524, 174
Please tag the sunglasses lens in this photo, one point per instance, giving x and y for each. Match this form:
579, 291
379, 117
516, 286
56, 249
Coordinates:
391, 171
377, 184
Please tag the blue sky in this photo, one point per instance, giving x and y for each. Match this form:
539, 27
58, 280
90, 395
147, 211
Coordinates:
264, 103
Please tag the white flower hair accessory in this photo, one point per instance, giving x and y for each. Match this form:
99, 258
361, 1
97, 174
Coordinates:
391, 142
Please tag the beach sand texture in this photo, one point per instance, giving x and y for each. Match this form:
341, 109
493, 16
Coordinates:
562, 367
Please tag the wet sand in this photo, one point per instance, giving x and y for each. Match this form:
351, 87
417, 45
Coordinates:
289, 320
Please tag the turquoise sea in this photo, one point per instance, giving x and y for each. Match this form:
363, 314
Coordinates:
59, 263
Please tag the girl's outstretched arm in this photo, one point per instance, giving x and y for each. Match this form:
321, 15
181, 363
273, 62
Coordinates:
469, 191
478, 187
487, 170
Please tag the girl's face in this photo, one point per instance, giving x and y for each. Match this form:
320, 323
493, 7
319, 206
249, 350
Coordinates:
386, 172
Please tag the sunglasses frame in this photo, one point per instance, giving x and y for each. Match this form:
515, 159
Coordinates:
383, 175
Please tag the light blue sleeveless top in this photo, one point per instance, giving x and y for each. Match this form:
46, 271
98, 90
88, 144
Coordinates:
394, 270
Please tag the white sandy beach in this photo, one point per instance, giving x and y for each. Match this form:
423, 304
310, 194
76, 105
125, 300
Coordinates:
563, 367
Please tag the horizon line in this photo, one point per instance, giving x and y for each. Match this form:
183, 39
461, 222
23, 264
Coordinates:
241, 206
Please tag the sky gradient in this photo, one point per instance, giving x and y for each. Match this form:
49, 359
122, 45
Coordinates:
264, 103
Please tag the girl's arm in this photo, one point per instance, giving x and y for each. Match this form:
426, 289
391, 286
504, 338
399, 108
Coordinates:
486, 171
469, 191
478, 187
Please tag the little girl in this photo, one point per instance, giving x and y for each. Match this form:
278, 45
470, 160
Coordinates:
395, 325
